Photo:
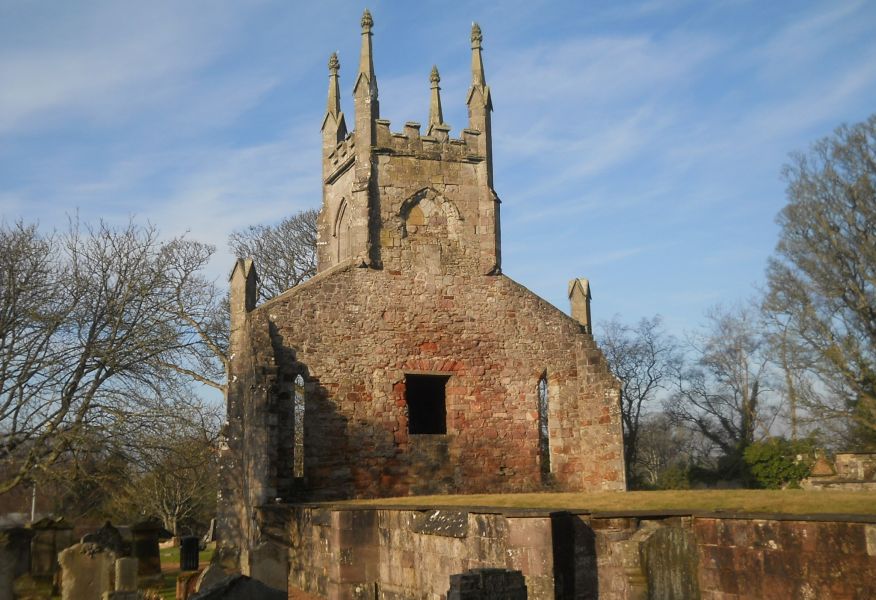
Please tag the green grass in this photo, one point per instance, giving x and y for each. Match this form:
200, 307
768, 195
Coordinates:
170, 568
795, 502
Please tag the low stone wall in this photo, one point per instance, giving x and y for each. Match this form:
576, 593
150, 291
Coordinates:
403, 553
780, 558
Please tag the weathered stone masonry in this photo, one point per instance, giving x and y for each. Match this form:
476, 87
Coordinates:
421, 363
404, 553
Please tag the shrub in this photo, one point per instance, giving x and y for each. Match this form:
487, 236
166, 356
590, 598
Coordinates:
778, 462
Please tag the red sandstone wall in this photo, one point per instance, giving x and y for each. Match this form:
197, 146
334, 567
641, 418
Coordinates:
742, 559
404, 554
354, 333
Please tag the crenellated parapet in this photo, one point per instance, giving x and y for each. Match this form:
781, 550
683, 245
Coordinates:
438, 146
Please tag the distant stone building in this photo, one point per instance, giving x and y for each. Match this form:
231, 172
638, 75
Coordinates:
850, 471
410, 364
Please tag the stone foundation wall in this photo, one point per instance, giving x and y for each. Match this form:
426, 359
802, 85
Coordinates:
394, 554
768, 558
407, 554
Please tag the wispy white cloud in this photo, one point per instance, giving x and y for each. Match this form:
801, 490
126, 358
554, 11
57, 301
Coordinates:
621, 132
105, 60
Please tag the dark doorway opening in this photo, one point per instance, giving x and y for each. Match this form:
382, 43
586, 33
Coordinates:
425, 397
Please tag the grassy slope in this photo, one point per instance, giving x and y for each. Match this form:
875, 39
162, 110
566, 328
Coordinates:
795, 502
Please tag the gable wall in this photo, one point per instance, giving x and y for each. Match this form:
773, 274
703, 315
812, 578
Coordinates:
354, 333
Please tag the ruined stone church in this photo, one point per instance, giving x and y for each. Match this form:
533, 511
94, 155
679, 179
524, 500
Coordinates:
410, 364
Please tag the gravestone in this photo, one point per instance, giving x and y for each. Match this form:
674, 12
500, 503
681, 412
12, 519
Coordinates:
210, 536
126, 574
126, 581
145, 547
108, 538
487, 584
14, 557
50, 537
186, 584
86, 572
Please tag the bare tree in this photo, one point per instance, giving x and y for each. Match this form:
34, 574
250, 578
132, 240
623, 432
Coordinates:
284, 254
88, 327
645, 359
822, 278
724, 394
664, 445
174, 475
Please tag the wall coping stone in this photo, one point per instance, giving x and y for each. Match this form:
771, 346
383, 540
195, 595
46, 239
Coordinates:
548, 512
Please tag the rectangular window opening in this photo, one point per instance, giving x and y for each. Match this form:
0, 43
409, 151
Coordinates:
425, 397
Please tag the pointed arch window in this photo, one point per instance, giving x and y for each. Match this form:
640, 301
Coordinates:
343, 224
544, 443
298, 407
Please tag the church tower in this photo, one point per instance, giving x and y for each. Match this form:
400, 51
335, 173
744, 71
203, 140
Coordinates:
404, 201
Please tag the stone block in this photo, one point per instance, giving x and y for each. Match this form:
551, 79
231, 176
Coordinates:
126, 574
530, 532
441, 522
86, 572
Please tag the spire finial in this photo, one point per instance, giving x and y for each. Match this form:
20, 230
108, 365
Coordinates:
477, 63
476, 36
333, 107
365, 88
436, 116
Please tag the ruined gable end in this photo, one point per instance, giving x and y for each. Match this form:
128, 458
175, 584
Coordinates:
409, 364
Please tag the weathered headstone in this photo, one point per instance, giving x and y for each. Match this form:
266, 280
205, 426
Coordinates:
188, 553
50, 537
186, 585
108, 538
14, 557
210, 536
126, 574
145, 547
487, 584
86, 572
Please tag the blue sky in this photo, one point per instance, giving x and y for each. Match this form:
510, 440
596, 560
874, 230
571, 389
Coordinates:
638, 144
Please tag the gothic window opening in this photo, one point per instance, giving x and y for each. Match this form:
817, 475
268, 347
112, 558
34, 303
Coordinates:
425, 397
544, 444
343, 225
298, 407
